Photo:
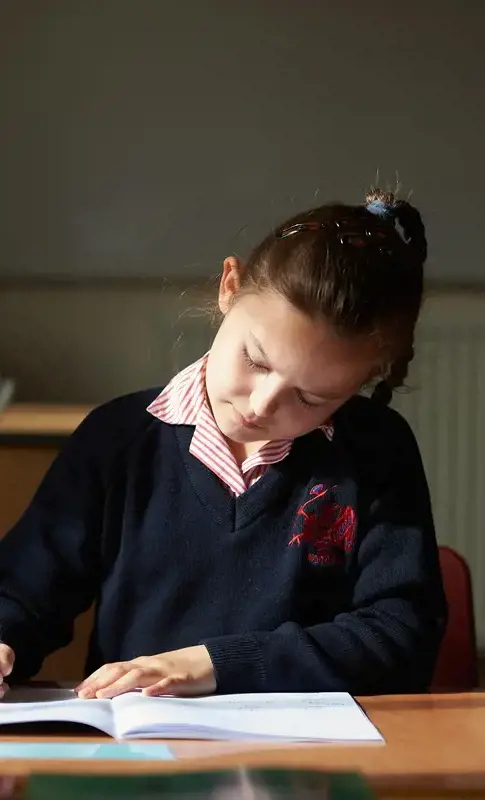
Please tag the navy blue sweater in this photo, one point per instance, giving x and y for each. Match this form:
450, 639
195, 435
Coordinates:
322, 576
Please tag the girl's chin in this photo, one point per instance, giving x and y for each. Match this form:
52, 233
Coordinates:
242, 434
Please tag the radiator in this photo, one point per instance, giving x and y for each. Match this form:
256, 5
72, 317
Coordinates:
445, 405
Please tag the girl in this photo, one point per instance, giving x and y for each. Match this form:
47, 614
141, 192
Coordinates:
257, 525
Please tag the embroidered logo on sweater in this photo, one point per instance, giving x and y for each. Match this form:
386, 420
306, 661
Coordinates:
325, 527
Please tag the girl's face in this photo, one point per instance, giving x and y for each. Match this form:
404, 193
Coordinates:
275, 373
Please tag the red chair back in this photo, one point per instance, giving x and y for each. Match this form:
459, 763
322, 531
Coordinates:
457, 665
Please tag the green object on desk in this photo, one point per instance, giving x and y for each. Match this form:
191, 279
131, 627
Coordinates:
272, 784
116, 751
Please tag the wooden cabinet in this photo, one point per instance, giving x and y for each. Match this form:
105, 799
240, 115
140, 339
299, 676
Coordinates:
22, 467
30, 438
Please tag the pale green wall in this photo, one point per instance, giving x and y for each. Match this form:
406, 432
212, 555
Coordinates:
87, 343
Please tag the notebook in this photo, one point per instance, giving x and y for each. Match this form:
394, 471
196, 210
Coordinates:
310, 717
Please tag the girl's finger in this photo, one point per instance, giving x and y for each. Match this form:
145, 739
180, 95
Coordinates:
7, 659
86, 683
134, 679
103, 677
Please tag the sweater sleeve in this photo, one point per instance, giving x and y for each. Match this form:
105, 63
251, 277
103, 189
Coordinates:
388, 639
49, 561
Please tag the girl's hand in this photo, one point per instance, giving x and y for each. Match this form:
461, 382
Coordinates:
181, 672
7, 658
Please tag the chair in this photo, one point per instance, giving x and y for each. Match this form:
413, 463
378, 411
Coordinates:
457, 665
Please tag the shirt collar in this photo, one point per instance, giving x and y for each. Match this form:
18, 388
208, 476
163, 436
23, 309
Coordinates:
182, 400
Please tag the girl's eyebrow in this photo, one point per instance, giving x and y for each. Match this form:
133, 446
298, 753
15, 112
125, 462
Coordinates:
260, 347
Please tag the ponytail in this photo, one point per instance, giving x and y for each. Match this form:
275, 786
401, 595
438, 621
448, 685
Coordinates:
413, 233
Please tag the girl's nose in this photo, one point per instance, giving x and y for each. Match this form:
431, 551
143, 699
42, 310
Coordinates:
264, 402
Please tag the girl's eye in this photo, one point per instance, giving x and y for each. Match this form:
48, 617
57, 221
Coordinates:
252, 364
264, 368
305, 403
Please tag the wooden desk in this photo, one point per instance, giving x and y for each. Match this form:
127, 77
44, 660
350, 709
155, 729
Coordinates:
31, 420
30, 438
435, 747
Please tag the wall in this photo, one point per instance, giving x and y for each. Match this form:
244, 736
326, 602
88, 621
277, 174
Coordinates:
151, 137
87, 343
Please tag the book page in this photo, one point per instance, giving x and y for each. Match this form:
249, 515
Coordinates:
55, 705
330, 716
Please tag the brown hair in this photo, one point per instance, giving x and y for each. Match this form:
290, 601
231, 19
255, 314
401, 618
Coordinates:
351, 265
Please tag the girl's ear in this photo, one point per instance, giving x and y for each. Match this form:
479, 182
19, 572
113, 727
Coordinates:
230, 283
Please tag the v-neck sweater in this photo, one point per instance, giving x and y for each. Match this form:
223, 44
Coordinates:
322, 576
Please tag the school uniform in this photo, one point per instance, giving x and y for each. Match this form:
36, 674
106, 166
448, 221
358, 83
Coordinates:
312, 567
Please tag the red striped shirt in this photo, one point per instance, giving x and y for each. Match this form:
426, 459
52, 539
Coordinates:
184, 402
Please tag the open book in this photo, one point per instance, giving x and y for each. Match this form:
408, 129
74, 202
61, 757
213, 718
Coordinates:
326, 717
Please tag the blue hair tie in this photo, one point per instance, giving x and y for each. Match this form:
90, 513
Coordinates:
381, 209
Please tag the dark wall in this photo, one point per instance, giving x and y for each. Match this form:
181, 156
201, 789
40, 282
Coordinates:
140, 136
